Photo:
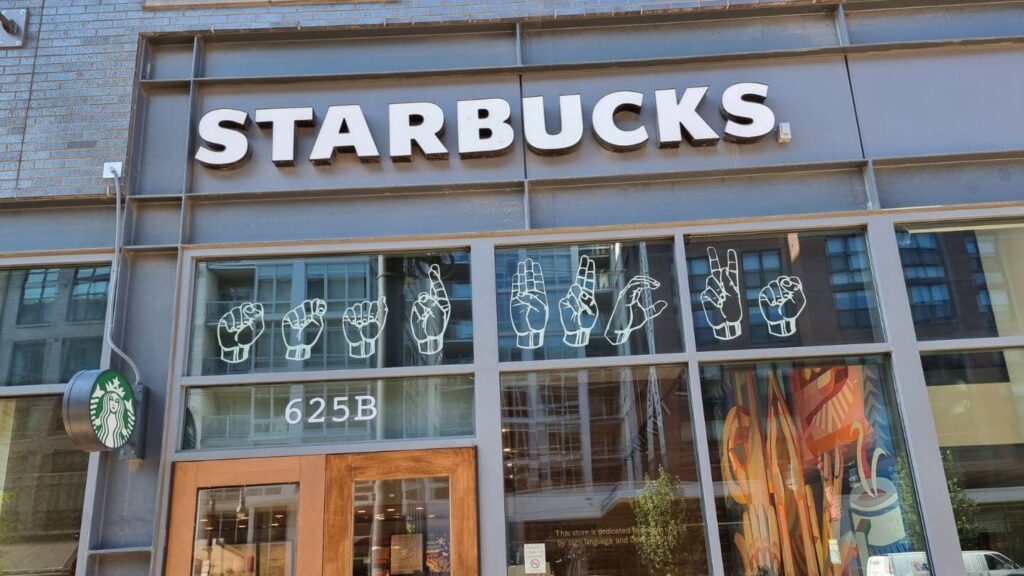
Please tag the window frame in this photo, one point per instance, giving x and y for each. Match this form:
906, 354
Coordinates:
899, 345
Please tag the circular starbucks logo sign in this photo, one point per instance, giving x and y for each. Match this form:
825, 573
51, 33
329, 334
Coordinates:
112, 409
99, 410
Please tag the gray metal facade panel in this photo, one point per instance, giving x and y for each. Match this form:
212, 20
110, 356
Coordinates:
375, 53
128, 520
690, 38
970, 20
363, 217
155, 224
953, 183
812, 94
260, 174
63, 228
940, 101
161, 153
699, 199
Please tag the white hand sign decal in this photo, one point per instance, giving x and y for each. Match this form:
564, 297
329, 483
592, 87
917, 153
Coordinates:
632, 309
430, 314
529, 305
723, 303
363, 323
782, 301
302, 327
238, 329
578, 309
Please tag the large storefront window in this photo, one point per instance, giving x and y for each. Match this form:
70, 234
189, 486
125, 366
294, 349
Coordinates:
331, 313
796, 289
586, 300
961, 280
813, 464
600, 471
42, 488
977, 399
331, 412
51, 322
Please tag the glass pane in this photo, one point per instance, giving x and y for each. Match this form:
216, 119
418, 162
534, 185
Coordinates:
612, 299
964, 282
246, 530
329, 313
402, 527
600, 470
51, 323
811, 462
796, 289
79, 354
328, 412
42, 480
977, 401
89, 295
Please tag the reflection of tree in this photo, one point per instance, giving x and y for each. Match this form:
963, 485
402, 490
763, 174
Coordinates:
661, 532
6, 529
965, 509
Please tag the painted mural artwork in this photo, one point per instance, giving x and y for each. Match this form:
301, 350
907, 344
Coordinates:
808, 463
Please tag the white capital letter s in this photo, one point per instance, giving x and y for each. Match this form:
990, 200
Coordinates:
748, 119
226, 144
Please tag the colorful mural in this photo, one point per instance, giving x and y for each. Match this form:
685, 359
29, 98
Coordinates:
807, 459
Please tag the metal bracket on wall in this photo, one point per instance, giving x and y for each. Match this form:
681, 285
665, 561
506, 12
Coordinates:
13, 23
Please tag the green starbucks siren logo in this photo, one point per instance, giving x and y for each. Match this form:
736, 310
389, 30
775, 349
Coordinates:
112, 409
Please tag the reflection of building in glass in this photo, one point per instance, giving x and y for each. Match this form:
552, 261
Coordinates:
341, 282
958, 282
976, 399
246, 530
578, 448
835, 274
42, 485
928, 285
51, 323
402, 525
248, 416
616, 264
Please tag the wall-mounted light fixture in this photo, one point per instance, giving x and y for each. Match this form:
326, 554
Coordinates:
12, 27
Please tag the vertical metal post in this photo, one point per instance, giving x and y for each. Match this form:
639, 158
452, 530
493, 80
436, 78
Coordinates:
914, 406
713, 540
490, 474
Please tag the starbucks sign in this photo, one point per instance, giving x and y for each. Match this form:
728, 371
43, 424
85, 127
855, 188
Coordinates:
99, 410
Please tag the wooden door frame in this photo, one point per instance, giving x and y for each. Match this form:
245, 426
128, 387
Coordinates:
191, 477
458, 464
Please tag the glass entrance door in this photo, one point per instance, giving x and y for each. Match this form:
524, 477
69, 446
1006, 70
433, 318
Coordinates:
401, 514
411, 513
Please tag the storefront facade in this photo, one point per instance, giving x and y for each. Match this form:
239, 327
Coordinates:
499, 290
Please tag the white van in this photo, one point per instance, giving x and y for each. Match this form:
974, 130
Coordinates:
976, 563
986, 563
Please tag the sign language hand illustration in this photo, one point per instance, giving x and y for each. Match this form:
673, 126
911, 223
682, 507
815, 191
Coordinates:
529, 305
633, 309
302, 327
430, 314
721, 298
782, 301
578, 309
363, 323
238, 329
